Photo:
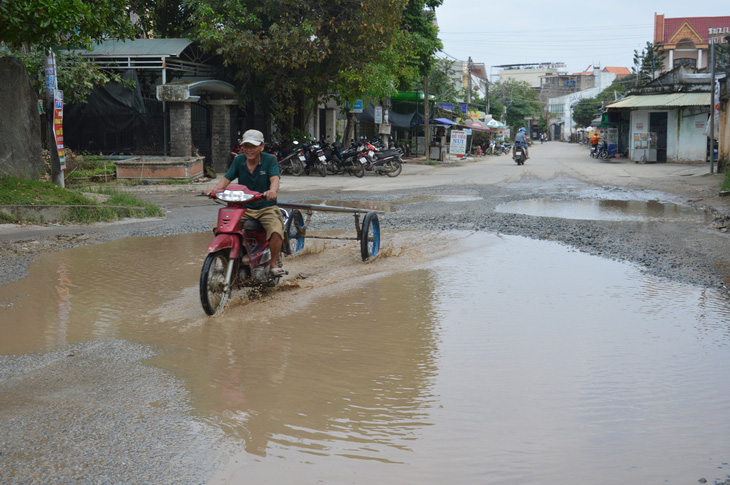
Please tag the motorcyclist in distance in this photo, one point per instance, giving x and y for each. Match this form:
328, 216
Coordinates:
521, 140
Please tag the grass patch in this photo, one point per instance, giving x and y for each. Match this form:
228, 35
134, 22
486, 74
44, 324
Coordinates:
36, 192
726, 181
14, 191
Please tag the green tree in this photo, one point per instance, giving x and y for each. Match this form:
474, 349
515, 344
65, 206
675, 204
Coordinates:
32, 26
585, 111
296, 53
163, 18
52, 24
649, 62
518, 101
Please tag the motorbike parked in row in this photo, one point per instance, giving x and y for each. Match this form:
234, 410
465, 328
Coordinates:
239, 254
379, 161
291, 161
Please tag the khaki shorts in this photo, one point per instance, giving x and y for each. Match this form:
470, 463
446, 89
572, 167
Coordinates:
269, 217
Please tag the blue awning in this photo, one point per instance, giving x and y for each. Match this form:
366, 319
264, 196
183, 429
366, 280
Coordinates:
437, 121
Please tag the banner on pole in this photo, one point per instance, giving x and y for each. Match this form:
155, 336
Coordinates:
58, 125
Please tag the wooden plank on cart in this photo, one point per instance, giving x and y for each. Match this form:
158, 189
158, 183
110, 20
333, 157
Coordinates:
325, 208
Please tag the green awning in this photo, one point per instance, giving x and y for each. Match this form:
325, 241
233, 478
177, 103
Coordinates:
672, 100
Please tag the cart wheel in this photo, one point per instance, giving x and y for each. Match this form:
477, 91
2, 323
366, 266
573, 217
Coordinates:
292, 243
370, 240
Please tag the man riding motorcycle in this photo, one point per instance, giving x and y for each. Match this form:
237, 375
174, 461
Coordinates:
595, 139
521, 140
259, 171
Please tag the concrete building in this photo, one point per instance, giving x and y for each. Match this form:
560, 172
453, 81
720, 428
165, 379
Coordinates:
687, 40
530, 73
560, 108
668, 117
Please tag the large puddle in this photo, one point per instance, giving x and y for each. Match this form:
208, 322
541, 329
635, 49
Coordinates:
508, 361
608, 210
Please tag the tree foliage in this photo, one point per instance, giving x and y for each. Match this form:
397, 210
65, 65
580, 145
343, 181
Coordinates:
649, 62
77, 77
585, 111
58, 23
163, 18
517, 100
296, 53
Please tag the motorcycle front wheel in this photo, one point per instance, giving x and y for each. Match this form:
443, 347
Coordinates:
213, 292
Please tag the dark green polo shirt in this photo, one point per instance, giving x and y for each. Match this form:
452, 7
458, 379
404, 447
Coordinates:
258, 180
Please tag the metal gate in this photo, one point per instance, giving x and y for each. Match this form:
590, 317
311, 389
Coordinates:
200, 124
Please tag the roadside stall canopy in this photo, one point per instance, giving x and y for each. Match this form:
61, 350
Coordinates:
672, 100
496, 125
437, 121
475, 125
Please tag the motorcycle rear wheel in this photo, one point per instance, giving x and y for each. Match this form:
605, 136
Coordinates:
321, 168
393, 168
213, 295
296, 168
357, 169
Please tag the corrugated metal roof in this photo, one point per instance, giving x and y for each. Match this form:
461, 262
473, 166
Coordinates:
673, 100
139, 47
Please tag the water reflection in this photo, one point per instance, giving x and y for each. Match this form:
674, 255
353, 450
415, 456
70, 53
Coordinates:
607, 210
510, 361
357, 370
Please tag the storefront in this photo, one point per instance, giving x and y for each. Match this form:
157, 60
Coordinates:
666, 127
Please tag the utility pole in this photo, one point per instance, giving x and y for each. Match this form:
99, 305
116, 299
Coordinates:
426, 129
712, 104
51, 86
468, 83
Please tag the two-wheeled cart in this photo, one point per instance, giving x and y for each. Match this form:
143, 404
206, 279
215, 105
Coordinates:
300, 215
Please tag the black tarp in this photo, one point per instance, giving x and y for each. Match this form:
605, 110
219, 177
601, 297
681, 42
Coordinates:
115, 119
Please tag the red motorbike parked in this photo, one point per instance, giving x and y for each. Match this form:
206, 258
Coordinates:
239, 254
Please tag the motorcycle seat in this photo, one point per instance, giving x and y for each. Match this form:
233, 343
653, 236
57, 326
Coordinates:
252, 225
387, 153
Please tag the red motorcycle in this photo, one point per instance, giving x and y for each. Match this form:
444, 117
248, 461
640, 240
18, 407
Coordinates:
239, 254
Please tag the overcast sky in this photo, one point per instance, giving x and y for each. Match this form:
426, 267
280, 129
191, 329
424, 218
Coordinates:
578, 33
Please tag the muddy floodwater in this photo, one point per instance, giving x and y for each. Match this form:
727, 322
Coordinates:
452, 358
608, 210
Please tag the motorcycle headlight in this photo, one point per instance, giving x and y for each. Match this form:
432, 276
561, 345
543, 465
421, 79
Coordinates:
234, 196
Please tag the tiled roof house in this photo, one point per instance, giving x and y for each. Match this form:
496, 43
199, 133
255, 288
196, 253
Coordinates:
687, 39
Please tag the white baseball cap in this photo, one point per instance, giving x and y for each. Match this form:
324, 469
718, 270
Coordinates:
254, 137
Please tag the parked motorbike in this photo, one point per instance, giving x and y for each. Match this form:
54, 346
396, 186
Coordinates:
520, 155
351, 162
239, 254
385, 162
332, 161
293, 161
314, 159
506, 148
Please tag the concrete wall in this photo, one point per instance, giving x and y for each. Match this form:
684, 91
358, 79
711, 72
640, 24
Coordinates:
20, 128
686, 141
724, 139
